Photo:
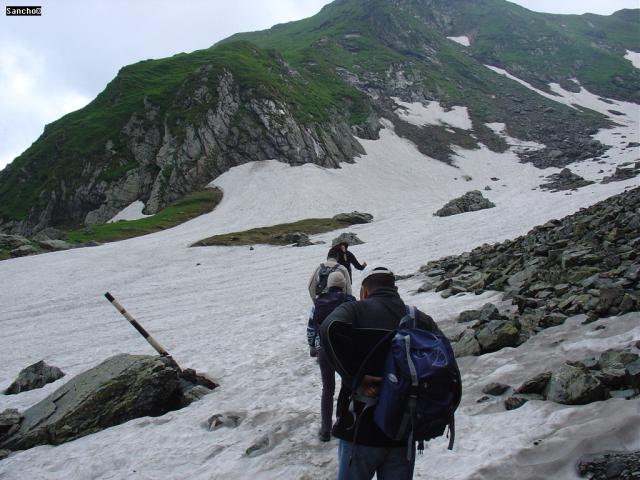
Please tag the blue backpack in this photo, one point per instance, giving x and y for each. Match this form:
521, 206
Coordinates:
421, 388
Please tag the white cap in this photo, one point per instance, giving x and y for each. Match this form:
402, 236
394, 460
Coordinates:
336, 279
375, 270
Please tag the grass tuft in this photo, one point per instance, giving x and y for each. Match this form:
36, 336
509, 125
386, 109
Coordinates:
273, 235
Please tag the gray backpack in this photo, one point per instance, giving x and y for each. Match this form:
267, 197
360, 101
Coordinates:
323, 277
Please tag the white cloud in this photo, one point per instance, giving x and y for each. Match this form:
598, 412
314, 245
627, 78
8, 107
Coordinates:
30, 97
572, 7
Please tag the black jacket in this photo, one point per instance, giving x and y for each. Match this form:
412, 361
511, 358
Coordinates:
348, 335
347, 259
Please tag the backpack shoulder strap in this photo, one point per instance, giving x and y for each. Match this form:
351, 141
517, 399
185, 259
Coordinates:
410, 318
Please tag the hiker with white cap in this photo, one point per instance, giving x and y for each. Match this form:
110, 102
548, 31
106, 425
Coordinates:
322, 307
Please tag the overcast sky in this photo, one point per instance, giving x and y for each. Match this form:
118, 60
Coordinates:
56, 63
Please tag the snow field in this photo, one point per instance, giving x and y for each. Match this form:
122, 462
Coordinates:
240, 316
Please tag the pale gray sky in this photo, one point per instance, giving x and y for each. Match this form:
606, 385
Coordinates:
57, 63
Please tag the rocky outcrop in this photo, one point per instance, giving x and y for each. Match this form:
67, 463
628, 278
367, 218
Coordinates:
54, 245
9, 422
563, 149
623, 173
298, 239
575, 382
470, 202
49, 233
348, 237
610, 465
565, 180
586, 263
23, 251
489, 331
34, 376
119, 389
11, 242
574, 385
353, 218
157, 161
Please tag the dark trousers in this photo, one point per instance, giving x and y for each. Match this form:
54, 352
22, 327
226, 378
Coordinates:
328, 375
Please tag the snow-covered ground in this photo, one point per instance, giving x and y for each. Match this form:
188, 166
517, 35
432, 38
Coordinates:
433, 114
239, 316
132, 212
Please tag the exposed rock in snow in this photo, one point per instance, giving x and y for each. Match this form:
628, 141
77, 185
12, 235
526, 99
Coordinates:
565, 180
353, 218
469, 202
34, 376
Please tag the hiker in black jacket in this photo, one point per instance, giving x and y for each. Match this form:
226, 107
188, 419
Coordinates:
349, 334
346, 259
322, 308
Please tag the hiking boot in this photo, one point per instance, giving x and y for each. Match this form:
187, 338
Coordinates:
313, 352
324, 436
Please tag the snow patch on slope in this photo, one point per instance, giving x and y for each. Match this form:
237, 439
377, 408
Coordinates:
633, 57
434, 114
515, 144
462, 40
132, 212
627, 112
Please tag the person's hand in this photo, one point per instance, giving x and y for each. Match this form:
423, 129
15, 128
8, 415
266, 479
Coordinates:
364, 264
370, 386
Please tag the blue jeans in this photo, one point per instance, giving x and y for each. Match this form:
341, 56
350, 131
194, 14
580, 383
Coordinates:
389, 463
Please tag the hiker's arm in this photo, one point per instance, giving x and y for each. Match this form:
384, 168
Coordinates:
351, 258
311, 329
313, 281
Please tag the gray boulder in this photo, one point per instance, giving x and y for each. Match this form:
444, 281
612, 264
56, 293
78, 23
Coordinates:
34, 376
353, 218
121, 388
575, 385
633, 375
495, 389
49, 233
469, 316
298, 239
467, 344
23, 251
497, 334
9, 422
536, 384
54, 245
612, 359
488, 312
469, 202
518, 400
348, 237
11, 242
